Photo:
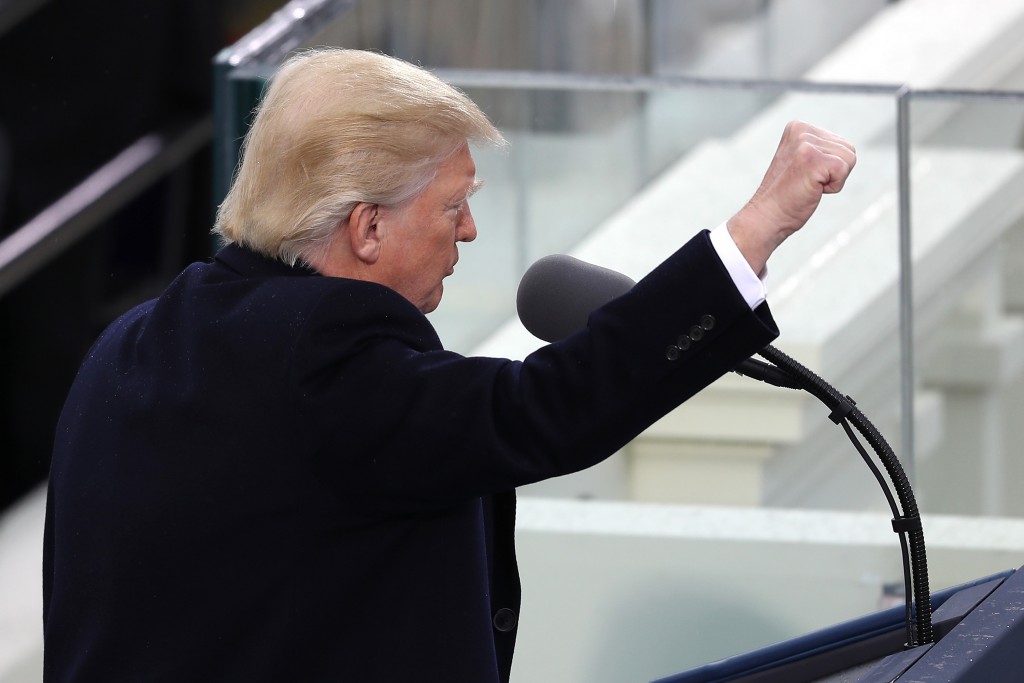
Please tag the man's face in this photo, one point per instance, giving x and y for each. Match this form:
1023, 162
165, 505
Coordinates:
420, 247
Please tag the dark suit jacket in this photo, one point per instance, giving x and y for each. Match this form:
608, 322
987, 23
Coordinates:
268, 475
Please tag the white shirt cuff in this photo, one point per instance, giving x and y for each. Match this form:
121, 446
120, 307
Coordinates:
752, 288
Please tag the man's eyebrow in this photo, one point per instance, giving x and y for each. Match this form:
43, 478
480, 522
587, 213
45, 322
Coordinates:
470, 191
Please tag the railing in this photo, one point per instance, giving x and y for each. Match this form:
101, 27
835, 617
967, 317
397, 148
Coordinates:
87, 205
13, 11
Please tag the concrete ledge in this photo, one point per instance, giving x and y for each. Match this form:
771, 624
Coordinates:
630, 592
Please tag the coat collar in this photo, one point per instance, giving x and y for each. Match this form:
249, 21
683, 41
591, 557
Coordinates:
249, 263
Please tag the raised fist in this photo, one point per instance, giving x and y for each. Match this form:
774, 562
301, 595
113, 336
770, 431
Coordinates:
808, 163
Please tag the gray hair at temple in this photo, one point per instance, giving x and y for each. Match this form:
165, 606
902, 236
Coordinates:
338, 127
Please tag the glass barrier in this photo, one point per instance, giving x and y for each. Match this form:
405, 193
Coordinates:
622, 158
637, 136
968, 217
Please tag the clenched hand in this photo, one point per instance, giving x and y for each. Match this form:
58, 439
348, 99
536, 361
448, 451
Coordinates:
808, 163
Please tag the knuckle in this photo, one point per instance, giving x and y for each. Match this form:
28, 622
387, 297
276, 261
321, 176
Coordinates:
807, 151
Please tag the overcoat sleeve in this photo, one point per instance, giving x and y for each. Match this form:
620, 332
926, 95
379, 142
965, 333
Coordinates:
405, 424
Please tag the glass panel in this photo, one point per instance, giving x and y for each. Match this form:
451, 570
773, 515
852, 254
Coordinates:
631, 168
968, 227
833, 289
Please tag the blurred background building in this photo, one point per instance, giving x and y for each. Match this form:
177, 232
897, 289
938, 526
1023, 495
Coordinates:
741, 519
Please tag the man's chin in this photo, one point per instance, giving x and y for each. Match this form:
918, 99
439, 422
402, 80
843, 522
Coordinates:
431, 305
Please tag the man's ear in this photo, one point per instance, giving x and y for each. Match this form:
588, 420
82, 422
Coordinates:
363, 232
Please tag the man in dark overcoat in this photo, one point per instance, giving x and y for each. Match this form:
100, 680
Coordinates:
275, 472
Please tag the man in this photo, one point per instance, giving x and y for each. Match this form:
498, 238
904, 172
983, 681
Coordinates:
275, 472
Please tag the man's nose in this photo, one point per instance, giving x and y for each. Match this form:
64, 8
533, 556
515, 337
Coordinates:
467, 226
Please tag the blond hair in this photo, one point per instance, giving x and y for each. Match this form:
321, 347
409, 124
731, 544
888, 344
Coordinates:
338, 127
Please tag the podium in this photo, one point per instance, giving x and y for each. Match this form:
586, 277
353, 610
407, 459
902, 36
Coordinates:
979, 633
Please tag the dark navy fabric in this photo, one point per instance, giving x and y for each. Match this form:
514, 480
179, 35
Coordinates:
269, 475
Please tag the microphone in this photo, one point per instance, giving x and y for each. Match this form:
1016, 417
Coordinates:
558, 293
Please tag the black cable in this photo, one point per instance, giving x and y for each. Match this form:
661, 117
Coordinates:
895, 513
908, 525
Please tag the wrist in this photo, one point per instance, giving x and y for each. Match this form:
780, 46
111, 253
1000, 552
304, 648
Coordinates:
754, 236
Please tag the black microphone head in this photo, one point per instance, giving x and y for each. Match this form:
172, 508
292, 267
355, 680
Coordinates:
558, 292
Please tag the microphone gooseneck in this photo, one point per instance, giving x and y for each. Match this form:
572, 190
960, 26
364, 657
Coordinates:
907, 524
